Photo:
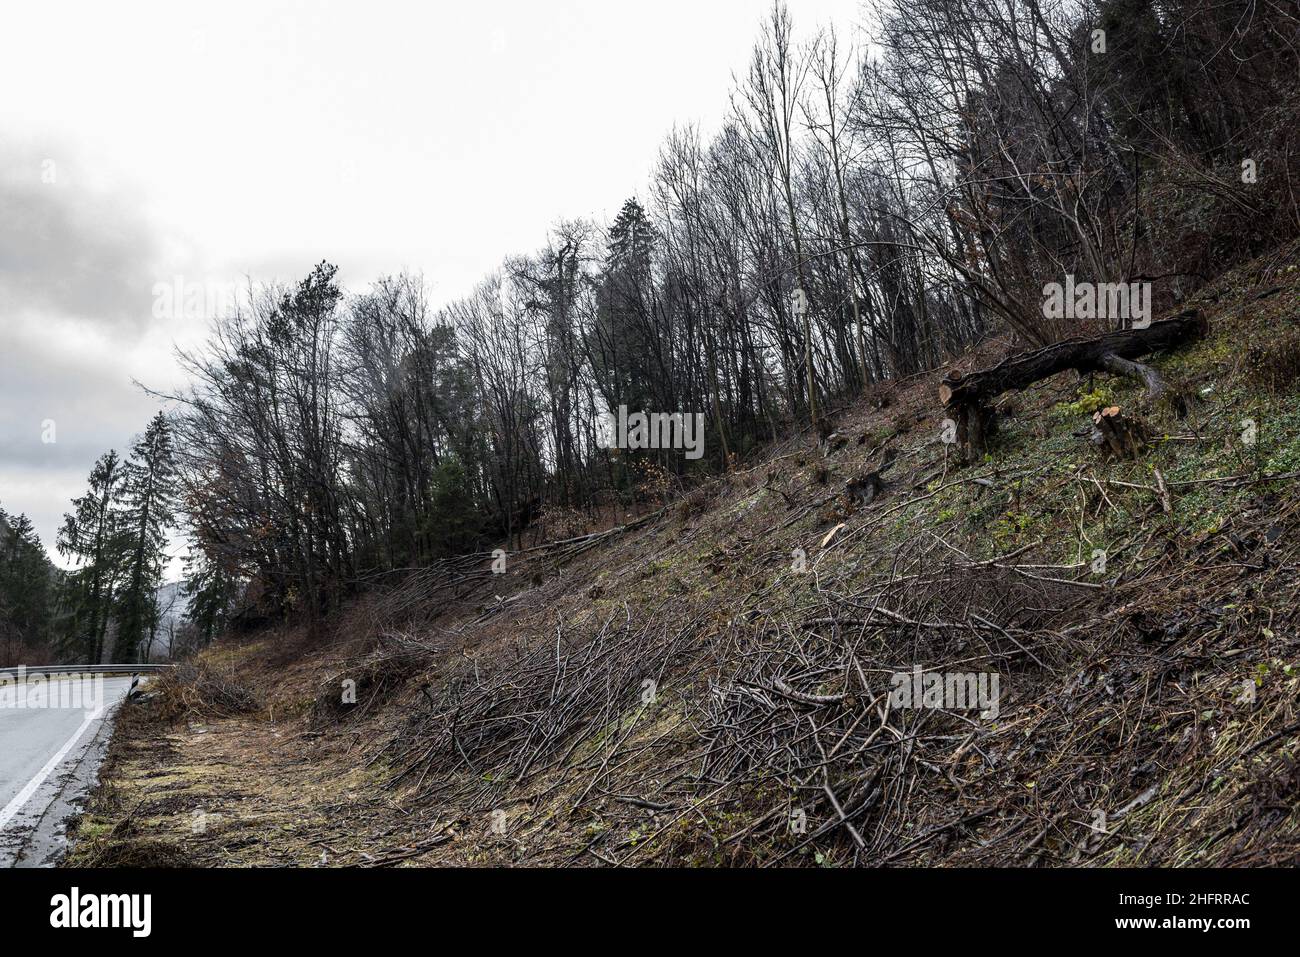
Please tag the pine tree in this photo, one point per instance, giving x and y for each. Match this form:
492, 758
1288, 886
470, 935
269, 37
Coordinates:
209, 593
25, 575
148, 510
628, 356
91, 537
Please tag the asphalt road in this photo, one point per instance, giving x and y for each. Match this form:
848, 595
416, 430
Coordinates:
49, 759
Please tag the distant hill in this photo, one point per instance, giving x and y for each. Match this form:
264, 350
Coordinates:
172, 607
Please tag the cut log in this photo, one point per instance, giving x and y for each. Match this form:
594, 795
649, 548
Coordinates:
1085, 355
969, 396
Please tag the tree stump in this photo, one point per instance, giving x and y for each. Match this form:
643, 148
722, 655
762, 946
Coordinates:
863, 489
1117, 434
975, 424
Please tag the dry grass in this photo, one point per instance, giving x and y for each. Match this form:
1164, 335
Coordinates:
197, 690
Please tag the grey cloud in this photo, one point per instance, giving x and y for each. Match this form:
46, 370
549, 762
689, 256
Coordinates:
93, 407
72, 257
68, 249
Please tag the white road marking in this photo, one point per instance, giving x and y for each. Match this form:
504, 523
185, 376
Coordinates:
25, 795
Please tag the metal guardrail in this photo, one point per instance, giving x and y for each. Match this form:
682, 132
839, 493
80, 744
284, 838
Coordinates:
30, 670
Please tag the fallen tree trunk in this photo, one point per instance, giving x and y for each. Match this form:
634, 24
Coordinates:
968, 396
1085, 355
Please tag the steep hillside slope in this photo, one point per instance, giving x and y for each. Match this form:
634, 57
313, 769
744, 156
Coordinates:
716, 683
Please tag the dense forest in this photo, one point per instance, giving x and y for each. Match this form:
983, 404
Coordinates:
107, 607
866, 210
27, 583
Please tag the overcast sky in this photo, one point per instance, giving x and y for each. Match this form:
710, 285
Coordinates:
140, 142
